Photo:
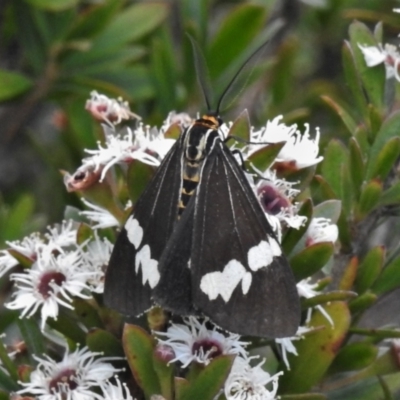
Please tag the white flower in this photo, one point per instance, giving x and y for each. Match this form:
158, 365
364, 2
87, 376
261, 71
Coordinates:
49, 283
276, 198
109, 110
100, 215
287, 345
142, 144
73, 378
116, 392
194, 342
96, 255
7, 261
300, 151
248, 383
29, 246
62, 236
307, 290
321, 230
387, 54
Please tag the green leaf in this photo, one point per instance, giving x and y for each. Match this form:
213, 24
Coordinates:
265, 156
7, 363
317, 350
138, 177
165, 373
303, 396
223, 50
311, 259
389, 131
369, 269
87, 313
369, 198
66, 324
330, 209
241, 127
346, 118
13, 84
386, 159
132, 23
335, 158
322, 298
391, 195
32, 335
373, 78
100, 340
139, 346
7, 383
53, 5
349, 274
353, 80
164, 73
210, 380
363, 302
354, 356
356, 166
293, 236
389, 279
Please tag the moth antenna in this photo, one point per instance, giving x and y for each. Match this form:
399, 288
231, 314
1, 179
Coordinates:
277, 26
203, 77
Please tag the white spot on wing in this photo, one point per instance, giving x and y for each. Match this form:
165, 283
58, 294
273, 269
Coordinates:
134, 231
263, 254
224, 283
259, 256
149, 267
275, 246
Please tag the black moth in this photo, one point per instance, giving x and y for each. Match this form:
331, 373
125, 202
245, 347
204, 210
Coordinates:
198, 243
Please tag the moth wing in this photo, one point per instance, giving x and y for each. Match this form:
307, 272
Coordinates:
240, 278
132, 271
173, 291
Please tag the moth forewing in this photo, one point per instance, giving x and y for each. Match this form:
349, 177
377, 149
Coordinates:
132, 271
240, 278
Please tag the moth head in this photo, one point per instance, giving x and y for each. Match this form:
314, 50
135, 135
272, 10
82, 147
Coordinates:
212, 120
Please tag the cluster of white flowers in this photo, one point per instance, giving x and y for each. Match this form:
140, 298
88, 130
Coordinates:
194, 342
57, 269
76, 377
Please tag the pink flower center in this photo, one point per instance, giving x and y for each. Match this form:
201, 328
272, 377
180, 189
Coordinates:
272, 200
45, 287
210, 347
64, 379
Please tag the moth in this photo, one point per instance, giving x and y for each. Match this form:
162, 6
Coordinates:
198, 243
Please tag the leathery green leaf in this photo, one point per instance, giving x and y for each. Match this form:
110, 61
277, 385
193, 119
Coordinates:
356, 166
386, 159
241, 128
210, 380
347, 119
373, 79
369, 269
311, 259
104, 341
369, 198
317, 350
391, 196
265, 156
353, 80
334, 158
12, 84
349, 274
389, 277
389, 130
354, 356
363, 302
139, 346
